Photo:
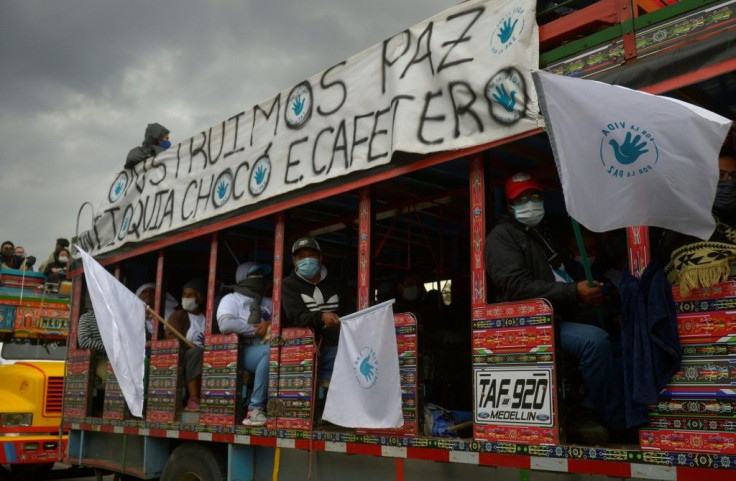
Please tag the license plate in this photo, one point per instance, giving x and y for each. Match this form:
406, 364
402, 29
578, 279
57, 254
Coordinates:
521, 396
53, 323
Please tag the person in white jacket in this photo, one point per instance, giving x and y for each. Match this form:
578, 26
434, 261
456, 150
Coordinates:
247, 312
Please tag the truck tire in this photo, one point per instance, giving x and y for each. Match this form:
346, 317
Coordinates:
195, 462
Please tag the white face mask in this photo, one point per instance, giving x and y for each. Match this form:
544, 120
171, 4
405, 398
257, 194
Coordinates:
530, 213
189, 304
63, 259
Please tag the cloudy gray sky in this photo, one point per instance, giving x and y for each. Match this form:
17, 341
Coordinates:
80, 79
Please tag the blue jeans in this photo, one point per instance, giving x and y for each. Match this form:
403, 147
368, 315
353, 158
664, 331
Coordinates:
592, 348
327, 356
256, 361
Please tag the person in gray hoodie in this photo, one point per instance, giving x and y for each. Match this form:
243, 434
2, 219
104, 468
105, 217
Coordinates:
155, 141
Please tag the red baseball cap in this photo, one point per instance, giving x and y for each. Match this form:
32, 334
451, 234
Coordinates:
518, 183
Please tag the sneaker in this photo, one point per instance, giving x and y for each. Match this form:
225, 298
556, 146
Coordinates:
255, 417
587, 429
192, 405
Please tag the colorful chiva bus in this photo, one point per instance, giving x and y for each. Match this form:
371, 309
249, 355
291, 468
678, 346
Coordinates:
395, 160
34, 323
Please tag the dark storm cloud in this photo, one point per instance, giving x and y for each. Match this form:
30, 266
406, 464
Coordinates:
79, 81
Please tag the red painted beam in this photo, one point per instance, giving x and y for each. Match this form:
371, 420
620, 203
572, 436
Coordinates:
603, 12
606, 468
692, 77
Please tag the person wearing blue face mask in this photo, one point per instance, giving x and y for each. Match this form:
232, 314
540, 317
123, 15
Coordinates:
155, 141
523, 263
312, 298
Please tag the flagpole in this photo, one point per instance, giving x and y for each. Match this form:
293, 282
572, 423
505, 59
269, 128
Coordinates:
171, 328
586, 265
583, 255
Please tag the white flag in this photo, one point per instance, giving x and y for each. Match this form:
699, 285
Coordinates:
630, 158
121, 319
365, 390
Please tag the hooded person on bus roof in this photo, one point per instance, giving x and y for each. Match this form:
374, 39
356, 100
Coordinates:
155, 141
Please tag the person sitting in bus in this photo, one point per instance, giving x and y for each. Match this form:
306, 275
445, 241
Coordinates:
26, 262
15, 257
312, 298
155, 141
55, 271
147, 293
411, 292
88, 337
691, 262
60, 244
7, 256
524, 264
190, 322
247, 312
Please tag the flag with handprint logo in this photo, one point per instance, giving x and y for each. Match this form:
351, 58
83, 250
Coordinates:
365, 390
629, 158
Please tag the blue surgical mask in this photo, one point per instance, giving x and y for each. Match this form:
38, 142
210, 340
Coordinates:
725, 195
165, 144
308, 267
530, 213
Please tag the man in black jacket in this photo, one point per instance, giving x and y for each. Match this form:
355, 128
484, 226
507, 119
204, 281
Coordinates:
155, 141
312, 299
523, 264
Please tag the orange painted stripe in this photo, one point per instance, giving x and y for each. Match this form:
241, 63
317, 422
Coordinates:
366, 449
429, 454
399, 469
263, 441
591, 466
700, 474
223, 438
193, 435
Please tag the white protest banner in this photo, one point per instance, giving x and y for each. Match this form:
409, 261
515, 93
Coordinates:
459, 79
121, 319
628, 158
365, 390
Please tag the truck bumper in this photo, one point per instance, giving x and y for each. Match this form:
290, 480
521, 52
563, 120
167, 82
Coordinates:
32, 449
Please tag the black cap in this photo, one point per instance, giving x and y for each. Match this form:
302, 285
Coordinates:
304, 242
199, 285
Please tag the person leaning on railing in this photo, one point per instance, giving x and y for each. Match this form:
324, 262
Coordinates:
55, 271
155, 141
60, 244
190, 322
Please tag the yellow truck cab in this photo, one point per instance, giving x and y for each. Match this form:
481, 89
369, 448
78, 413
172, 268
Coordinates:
34, 325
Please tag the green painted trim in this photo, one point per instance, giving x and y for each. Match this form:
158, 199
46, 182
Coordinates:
34, 298
617, 31
581, 45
